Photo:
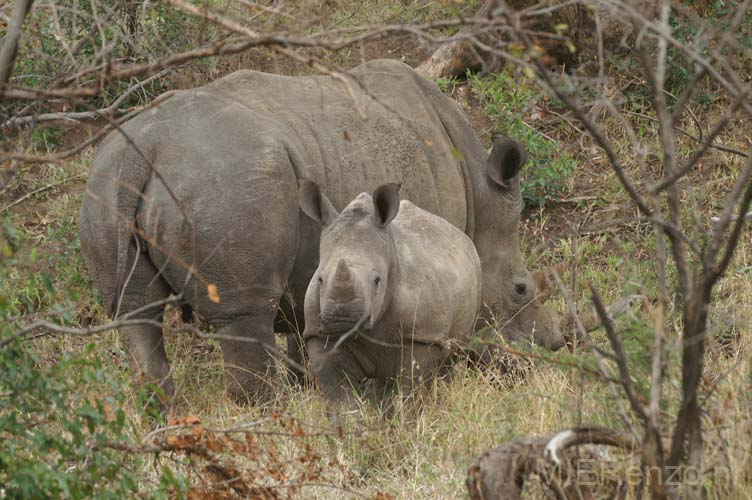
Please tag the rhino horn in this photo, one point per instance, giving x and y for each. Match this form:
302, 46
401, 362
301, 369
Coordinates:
343, 280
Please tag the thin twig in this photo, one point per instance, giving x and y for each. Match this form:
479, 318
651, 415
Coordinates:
40, 190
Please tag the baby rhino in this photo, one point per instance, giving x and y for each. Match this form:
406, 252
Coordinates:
396, 293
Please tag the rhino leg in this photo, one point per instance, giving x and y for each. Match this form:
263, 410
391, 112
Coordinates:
295, 354
148, 360
290, 323
420, 365
145, 343
248, 346
339, 376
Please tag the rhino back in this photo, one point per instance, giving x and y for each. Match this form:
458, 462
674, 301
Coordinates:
399, 138
440, 278
228, 156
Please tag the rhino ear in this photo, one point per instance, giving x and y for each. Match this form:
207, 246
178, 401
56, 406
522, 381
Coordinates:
505, 162
314, 203
386, 202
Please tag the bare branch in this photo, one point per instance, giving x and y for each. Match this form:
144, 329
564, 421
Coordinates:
619, 355
12, 36
87, 115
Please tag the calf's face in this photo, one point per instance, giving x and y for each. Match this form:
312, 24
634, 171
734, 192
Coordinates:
356, 271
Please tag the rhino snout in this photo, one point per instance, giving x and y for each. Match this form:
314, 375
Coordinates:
340, 318
555, 343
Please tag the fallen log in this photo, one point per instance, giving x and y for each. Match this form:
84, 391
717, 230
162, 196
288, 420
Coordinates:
500, 474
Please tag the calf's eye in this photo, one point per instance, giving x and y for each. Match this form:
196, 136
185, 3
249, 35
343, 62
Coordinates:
520, 288
376, 281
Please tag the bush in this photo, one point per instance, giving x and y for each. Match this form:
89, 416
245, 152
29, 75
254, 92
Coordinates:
507, 100
62, 420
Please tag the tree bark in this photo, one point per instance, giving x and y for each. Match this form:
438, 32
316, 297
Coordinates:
500, 474
12, 36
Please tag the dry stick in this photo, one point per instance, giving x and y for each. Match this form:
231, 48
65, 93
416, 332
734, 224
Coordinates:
355, 331
691, 114
281, 41
86, 115
656, 374
725, 218
119, 323
721, 266
688, 422
596, 353
700, 71
601, 140
59, 33
124, 287
352, 331
12, 36
708, 142
619, 355
553, 360
62, 156
29, 94
652, 451
733, 88
315, 41
225, 471
241, 30
597, 228
41, 189
652, 425
594, 131
668, 146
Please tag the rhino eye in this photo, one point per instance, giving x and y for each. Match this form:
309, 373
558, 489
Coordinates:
321, 280
376, 281
520, 288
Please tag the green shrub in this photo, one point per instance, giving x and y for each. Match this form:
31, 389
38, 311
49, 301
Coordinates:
62, 417
507, 98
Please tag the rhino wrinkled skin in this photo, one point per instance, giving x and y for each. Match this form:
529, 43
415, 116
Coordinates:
402, 284
203, 193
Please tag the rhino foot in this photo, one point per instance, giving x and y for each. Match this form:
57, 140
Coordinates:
248, 346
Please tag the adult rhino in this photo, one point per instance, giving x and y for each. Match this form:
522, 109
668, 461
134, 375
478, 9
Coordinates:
198, 195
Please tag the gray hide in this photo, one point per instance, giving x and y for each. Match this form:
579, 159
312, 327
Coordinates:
208, 181
407, 281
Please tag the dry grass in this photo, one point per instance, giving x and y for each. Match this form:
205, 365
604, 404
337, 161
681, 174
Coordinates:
423, 456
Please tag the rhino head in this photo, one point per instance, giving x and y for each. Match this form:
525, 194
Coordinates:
357, 272
511, 300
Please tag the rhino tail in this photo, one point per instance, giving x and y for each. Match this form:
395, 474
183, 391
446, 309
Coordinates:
132, 178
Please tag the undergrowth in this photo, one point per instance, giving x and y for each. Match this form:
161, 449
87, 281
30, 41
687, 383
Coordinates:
509, 100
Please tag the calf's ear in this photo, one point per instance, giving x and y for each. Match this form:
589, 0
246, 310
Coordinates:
505, 162
386, 202
314, 203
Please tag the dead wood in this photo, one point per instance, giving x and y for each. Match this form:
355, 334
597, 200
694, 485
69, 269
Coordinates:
500, 474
